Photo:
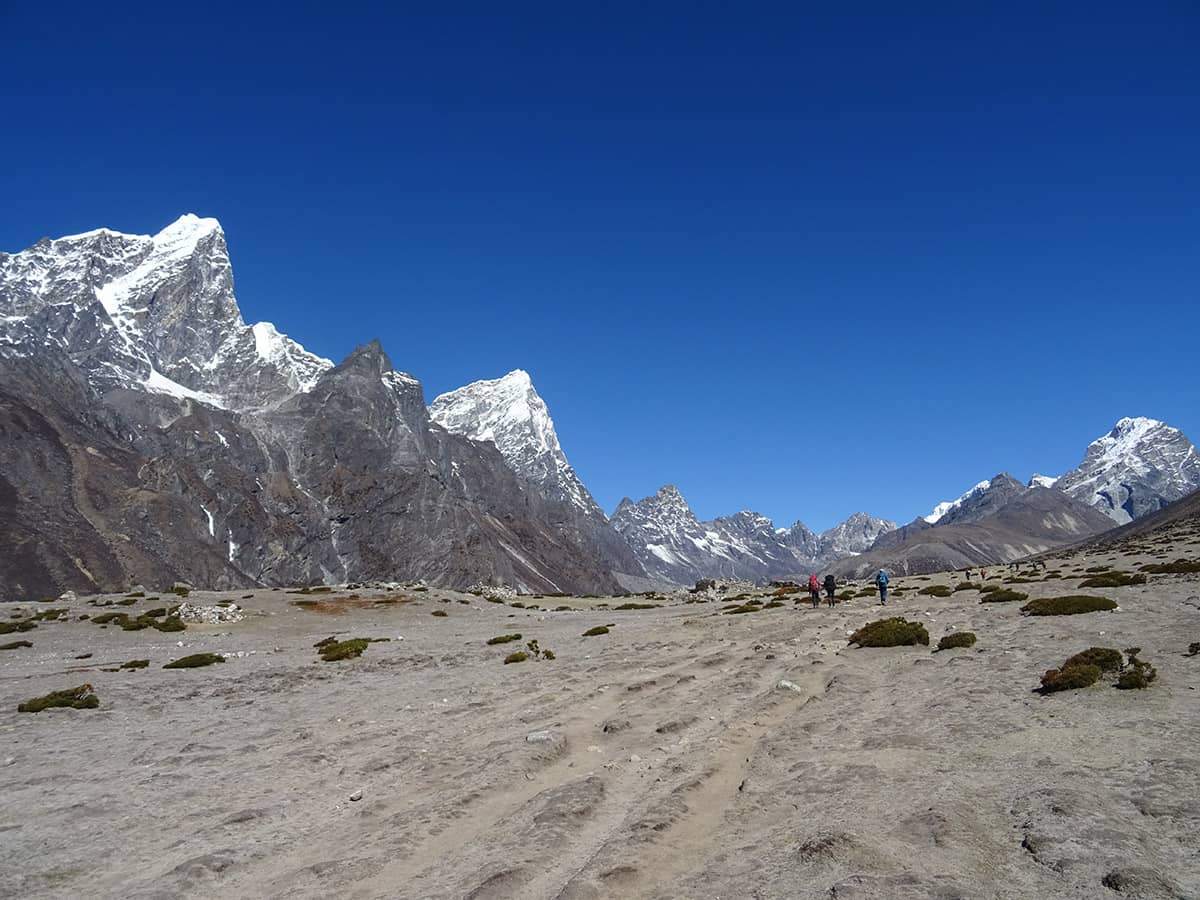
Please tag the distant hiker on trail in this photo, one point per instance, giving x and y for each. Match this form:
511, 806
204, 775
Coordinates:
881, 582
967, 572
814, 590
830, 587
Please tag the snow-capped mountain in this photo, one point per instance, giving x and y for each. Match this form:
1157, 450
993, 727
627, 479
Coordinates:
1046, 481
855, 535
154, 313
946, 505
509, 412
674, 546
148, 434
1137, 468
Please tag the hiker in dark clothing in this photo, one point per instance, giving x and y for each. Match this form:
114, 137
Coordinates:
830, 587
881, 582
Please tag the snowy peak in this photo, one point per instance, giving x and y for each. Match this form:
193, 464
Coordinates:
855, 535
150, 312
945, 506
671, 544
1044, 481
509, 412
1137, 468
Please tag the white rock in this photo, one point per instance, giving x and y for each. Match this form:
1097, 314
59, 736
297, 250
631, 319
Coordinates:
68, 597
785, 685
540, 737
635, 758
356, 796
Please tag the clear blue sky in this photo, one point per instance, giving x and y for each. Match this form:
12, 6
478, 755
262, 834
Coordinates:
800, 258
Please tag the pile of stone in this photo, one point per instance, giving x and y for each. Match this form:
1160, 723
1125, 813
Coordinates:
494, 592
210, 615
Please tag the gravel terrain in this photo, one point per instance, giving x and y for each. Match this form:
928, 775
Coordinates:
686, 753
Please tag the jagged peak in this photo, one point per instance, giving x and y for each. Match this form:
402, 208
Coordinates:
188, 227
1130, 424
370, 355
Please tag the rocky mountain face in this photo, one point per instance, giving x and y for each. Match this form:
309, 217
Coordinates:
676, 548
509, 414
147, 434
1137, 468
1004, 521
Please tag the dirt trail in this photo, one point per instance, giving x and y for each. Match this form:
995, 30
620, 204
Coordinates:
674, 765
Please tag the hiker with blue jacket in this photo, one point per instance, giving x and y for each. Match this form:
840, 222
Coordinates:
881, 582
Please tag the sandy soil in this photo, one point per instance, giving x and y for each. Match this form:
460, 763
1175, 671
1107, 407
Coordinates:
674, 764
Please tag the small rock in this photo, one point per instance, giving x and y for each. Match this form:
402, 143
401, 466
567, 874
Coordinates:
785, 685
635, 758
356, 796
9, 760
540, 737
68, 597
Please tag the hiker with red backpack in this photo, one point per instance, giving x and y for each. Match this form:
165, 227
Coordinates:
814, 591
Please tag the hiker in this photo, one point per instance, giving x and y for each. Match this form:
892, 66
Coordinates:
881, 582
967, 572
830, 587
814, 591
983, 574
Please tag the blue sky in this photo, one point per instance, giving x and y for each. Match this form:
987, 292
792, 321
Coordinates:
798, 258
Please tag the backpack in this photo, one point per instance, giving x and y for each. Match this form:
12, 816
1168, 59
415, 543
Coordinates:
881, 579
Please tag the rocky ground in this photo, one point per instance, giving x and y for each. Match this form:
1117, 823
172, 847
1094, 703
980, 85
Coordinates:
685, 753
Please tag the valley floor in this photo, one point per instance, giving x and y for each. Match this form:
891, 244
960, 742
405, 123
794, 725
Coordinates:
664, 759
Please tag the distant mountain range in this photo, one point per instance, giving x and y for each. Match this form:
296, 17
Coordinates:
148, 434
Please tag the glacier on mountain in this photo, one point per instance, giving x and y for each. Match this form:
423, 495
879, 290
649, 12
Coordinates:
1137, 468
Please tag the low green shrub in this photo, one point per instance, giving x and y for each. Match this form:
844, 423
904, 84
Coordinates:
988, 588
1017, 579
128, 601
744, 608
867, 592
15, 645
844, 596
339, 650
136, 594
82, 697
519, 656
599, 629
195, 661
1002, 595
636, 606
1070, 678
1139, 673
181, 590
504, 639
1094, 569
966, 586
47, 614
135, 664
1179, 567
440, 613
13, 627
1108, 659
892, 632
774, 604
957, 639
936, 590
1112, 579
1072, 605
